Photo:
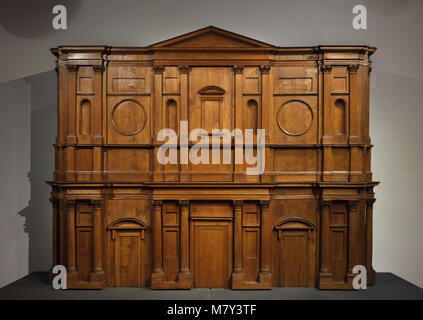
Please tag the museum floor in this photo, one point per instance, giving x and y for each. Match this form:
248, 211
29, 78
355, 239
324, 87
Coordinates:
35, 286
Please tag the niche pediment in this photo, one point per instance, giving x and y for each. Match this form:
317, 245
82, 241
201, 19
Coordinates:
294, 224
127, 223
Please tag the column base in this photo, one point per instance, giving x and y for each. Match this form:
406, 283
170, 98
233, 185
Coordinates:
326, 282
86, 285
158, 281
371, 276
72, 276
240, 283
184, 280
97, 276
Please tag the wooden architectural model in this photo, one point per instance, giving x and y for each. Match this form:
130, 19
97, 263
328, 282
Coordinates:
121, 218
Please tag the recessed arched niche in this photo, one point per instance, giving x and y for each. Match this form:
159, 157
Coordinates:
251, 115
339, 117
171, 115
85, 118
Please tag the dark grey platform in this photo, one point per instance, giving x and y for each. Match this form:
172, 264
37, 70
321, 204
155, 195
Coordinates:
35, 286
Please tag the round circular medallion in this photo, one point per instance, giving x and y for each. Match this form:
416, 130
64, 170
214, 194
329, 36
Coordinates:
129, 117
294, 117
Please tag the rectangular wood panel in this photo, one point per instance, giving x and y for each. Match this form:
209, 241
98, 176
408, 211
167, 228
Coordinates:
212, 255
294, 262
171, 253
128, 267
84, 253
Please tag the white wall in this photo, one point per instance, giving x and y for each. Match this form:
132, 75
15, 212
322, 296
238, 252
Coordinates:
394, 26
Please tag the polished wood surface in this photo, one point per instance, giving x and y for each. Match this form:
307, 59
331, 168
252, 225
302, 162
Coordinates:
121, 218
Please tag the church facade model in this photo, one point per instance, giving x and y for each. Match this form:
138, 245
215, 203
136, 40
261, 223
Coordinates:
123, 218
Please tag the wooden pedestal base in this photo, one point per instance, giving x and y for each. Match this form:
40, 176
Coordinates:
371, 276
184, 281
239, 283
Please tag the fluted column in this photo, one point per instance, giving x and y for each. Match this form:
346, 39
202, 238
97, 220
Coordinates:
157, 236
266, 237
238, 236
184, 238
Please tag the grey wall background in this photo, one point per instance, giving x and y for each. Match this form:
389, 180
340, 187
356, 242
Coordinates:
28, 101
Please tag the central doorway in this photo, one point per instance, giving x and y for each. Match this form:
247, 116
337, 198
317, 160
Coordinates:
211, 249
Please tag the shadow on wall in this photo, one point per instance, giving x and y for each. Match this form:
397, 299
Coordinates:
38, 224
14, 187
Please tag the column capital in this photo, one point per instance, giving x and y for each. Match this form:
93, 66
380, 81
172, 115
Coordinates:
370, 202
353, 68
265, 69
183, 203
157, 203
72, 67
326, 68
98, 68
264, 204
237, 203
184, 68
70, 202
158, 69
97, 203
325, 203
238, 69
353, 204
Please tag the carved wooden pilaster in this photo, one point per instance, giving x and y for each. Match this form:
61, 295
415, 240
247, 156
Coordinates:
158, 99
327, 136
71, 104
98, 272
238, 102
184, 241
56, 226
184, 72
157, 236
61, 103
265, 118
238, 205
266, 237
97, 137
71, 239
325, 207
354, 241
371, 274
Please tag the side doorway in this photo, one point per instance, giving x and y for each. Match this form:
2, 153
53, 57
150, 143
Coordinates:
296, 253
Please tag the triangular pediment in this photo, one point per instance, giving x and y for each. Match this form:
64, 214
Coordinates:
211, 37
